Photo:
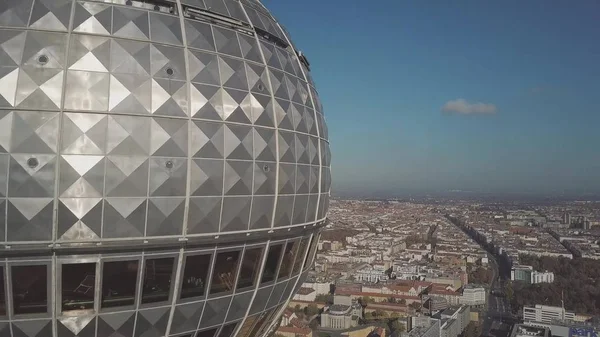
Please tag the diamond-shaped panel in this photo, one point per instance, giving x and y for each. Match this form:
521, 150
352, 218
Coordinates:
204, 215
84, 133
284, 210
152, 322
79, 218
126, 176
238, 177
124, 217
215, 311
258, 78
233, 73
29, 219
208, 140
300, 205
77, 326
94, 18
262, 211
168, 137
167, 62
37, 132
237, 215
32, 328
130, 23
287, 178
199, 35
51, 14
31, 176
206, 177
15, 13
265, 180
204, 68
168, 177
265, 144
165, 29
165, 216
238, 306
186, 317
238, 142
287, 147
206, 101
226, 41
249, 47
116, 325
128, 135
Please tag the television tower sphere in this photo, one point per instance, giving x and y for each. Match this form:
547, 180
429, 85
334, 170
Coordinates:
165, 168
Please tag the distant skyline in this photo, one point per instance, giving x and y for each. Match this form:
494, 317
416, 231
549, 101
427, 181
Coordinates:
426, 97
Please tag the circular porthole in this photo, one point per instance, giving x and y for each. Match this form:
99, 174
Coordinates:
32, 162
170, 71
169, 164
266, 168
260, 87
43, 59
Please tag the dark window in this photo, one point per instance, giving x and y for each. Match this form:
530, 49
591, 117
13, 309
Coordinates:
207, 333
227, 330
300, 258
78, 286
289, 255
260, 324
195, 275
30, 289
310, 249
157, 280
119, 279
2, 294
247, 326
271, 264
224, 273
250, 267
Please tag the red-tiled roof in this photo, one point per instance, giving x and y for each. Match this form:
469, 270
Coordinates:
294, 330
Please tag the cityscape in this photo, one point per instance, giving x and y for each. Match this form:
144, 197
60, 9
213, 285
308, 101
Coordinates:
452, 267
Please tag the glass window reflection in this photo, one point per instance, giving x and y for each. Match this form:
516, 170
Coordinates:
289, 255
228, 330
78, 286
195, 275
301, 252
271, 265
224, 272
30, 289
250, 267
119, 280
157, 280
207, 333
2, 293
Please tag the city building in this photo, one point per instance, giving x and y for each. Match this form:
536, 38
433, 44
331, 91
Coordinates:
166, 168
528, 275
521, 330
567, 328
424, 326
473, 295
343, 314
546, 314
454, 320
305, 294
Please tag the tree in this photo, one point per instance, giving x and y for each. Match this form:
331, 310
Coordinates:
402, 301
395, 315
312, 310
396, 325
313, 324
327, 298
380, 313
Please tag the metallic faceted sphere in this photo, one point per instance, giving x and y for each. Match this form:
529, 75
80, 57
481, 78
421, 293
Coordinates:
165, 164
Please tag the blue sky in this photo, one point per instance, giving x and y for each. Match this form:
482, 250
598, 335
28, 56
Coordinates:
385, 70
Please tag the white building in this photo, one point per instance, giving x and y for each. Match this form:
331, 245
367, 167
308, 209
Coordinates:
542, 277
343, 314
370, 274
455, 321
424, 326
321, 288
473, 295
545, 314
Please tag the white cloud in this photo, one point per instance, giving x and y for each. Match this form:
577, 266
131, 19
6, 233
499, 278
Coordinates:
462, 107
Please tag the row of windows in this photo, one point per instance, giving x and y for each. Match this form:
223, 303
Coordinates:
233, 269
